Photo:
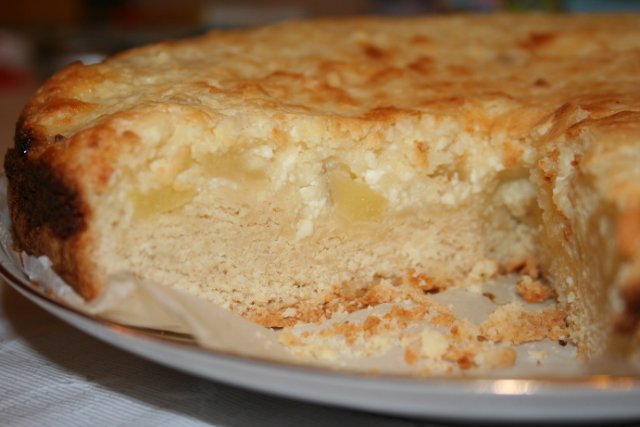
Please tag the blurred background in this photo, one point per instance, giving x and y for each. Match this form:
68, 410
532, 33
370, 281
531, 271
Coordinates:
38, 37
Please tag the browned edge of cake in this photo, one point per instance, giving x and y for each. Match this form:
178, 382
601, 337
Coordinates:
48, 214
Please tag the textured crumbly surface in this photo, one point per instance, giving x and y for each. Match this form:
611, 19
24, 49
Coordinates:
266, 170
404, 330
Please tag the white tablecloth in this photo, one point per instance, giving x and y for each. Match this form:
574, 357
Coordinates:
54, 375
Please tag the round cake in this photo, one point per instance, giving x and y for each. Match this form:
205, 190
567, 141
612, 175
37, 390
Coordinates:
277, 171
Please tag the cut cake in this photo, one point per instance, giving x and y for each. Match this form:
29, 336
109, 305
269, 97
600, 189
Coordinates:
274, 169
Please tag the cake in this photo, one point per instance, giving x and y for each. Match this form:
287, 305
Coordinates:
277, 170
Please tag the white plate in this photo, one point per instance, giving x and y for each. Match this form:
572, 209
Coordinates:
594, 398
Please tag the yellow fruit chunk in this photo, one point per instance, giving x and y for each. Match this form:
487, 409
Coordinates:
160, 200
170, 166
354, 200
231, 165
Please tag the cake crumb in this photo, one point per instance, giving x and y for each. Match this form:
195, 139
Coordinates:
490, 296
289, 312
527, 267
411, 356
482, 270
443, 319
421, 281
433, 344
464, 358
371, 324
501, 357
534, 291
513, 324
289, 339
